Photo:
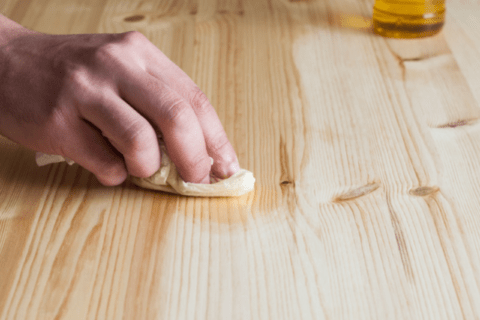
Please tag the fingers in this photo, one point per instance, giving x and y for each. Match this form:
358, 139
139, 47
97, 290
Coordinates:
176, 119
217, 143
166, 98
88, 148
218, 146
128, 131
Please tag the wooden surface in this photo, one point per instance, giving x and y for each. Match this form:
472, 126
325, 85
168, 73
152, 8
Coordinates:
366, 153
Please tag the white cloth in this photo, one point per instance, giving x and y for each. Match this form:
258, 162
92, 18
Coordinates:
167, 179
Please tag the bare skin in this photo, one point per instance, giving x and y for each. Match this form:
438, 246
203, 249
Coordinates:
99, 99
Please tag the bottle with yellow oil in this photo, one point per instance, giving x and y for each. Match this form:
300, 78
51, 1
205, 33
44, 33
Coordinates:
408, 18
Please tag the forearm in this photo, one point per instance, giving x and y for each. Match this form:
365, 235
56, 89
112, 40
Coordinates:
9, 30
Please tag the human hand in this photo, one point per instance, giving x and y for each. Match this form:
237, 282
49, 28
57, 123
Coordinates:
99, 99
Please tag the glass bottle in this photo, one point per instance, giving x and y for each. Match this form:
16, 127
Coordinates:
408, 18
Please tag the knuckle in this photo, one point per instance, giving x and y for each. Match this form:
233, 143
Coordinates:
199, 168
177, 111
111, 168
219, 143
80, 87
133, 38
200, 101
105, 52
144, 170
79, 76
111, 172
137, 137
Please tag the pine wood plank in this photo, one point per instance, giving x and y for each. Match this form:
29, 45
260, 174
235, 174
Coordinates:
365, 151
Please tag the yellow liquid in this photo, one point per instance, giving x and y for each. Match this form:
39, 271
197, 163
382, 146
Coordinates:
408, 18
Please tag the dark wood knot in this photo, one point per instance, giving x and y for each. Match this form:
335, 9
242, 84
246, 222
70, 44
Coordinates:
135, 18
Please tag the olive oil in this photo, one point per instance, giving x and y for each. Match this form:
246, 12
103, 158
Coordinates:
408, 18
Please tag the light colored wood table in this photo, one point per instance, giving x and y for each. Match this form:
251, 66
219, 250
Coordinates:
366, 153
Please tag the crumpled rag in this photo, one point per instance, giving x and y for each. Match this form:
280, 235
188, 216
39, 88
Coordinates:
167, 179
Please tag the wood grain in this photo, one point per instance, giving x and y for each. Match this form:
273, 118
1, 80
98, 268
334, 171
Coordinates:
365, 151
